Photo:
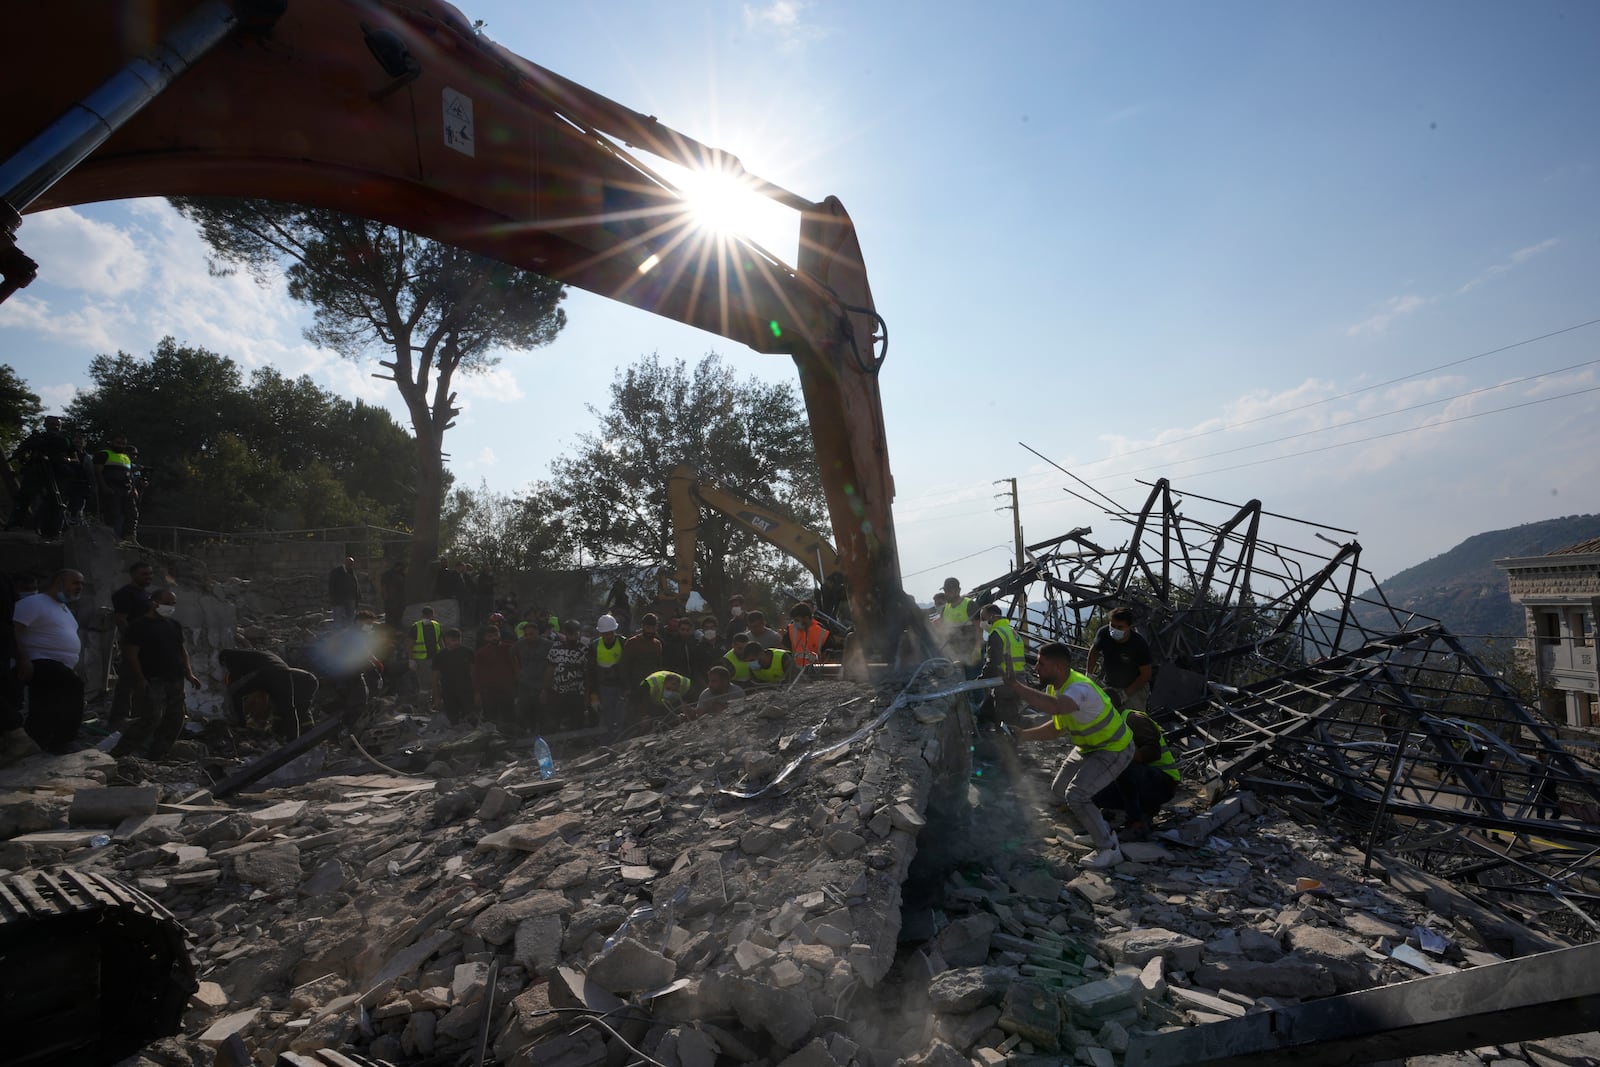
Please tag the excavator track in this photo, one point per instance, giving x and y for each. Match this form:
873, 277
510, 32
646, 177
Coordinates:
91, 970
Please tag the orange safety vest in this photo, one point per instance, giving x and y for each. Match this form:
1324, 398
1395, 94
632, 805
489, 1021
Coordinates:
806, 644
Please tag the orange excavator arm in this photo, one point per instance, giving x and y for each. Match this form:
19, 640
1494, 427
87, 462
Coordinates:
688, 493
397, 110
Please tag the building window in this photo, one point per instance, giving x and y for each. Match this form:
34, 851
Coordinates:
1582, 629
1548, 624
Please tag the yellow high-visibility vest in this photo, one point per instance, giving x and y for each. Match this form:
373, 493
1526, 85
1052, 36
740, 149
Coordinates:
1107, 732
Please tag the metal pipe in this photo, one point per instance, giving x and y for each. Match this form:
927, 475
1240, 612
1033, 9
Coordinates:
1388, 794
85, 126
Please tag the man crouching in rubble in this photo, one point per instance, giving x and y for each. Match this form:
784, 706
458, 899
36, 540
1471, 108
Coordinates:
287, 691
1102, 742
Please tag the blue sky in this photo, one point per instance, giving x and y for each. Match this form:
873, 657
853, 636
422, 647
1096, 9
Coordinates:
1139, 237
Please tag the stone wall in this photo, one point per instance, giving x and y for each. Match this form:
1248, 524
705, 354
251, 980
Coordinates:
293, 575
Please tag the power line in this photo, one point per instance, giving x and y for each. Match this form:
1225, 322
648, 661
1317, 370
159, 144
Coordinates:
1356, 422
1347, 395
1395, 433
946, 563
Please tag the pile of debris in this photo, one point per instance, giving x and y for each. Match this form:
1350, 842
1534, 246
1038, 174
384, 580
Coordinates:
818, 878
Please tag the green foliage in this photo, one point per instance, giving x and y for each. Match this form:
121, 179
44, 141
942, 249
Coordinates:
504, 534
430, 308
223, 455
749, 436
19, 409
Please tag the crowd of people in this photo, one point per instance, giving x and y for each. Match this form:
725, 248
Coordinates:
534, 673
60, 481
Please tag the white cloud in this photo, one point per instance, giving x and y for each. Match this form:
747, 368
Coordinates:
786, 19
778, 15
1516, 259
84, 254
56, 397
1393, 308
496, 383
486, 458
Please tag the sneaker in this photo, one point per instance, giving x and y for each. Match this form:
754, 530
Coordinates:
1101, 858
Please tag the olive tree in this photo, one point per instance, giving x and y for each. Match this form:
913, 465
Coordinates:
429, 309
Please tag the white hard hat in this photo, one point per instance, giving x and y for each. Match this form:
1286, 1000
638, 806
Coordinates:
606, 625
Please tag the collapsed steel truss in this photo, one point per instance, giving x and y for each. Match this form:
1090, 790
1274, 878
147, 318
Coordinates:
1274, 672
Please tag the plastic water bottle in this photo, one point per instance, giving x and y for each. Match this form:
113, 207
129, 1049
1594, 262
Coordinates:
541, 753
99, 840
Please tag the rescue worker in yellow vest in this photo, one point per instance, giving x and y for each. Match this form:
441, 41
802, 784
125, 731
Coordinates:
427, 638
770, 666
1003, 654
1149, 782
958, 628
119, 499
804, 636
605, 674
664, 693
737, 659
1102, 744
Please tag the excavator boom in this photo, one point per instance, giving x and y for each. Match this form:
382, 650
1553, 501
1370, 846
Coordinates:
400, 111
688, 493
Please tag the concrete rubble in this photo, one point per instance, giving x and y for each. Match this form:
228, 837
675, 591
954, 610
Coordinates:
888, 902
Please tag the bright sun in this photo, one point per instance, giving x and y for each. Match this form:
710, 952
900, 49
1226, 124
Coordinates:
726, 205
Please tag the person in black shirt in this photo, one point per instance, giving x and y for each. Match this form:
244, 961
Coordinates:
677, 647
46, 456
82, 501
128, 604
289, 690
393, 587
344, 590
348, 662
158, 664
452, 671
1126, 658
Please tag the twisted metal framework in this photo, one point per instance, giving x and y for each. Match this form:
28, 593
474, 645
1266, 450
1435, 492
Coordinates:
1274, 673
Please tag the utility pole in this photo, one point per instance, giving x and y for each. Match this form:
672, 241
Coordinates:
1016, 531
1016, 516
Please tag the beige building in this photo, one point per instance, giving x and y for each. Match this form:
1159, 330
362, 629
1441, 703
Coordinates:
1560, 597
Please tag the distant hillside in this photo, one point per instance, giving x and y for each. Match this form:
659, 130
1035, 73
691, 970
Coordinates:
1465, 590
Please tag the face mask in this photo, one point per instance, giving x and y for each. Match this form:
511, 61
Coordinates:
709, 634
65, 598
166, 611
1120, 635
736, 611
988, 628
671, 699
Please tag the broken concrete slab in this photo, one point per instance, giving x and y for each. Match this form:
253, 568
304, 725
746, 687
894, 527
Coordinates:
271, 866
112, 805
631, 967
1137, 947
966, 989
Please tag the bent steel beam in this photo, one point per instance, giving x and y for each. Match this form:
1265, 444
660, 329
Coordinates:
1545, 995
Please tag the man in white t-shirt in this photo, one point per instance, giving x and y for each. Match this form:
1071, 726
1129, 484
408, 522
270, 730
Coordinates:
1102, 743
48, 648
